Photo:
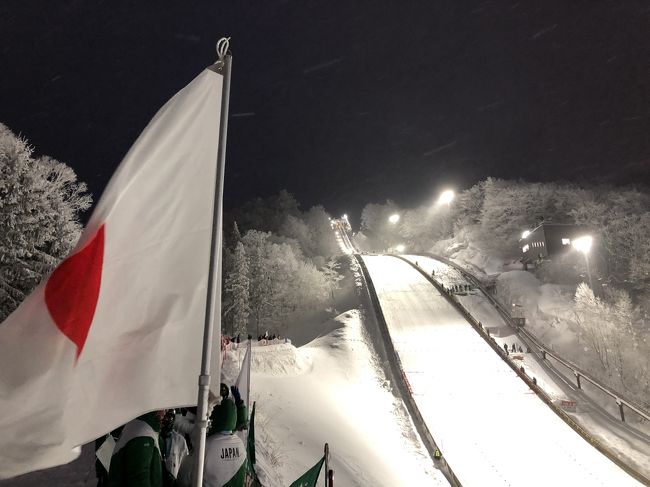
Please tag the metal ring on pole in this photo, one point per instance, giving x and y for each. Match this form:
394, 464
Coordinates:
222, 47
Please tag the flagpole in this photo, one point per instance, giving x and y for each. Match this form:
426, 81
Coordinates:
248, 375
213, 300
327, 462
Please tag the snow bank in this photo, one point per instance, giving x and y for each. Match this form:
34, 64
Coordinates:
332, 390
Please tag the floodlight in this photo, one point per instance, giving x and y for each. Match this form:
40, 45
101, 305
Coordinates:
583, 244
446, 197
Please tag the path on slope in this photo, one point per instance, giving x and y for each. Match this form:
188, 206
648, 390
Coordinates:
491, 427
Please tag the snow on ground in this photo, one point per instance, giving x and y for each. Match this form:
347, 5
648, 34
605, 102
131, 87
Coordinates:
329, 390
332, 390
632, 448
492, 428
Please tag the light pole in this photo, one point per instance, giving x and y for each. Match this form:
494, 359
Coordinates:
583, 245
394, 218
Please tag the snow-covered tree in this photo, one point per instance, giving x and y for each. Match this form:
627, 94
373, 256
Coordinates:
236, 288
332, 277
266, 214
591, 315
40, 203
375, 225
324, 241
609, 327
295, 228
255, 247
282, 282
621, 218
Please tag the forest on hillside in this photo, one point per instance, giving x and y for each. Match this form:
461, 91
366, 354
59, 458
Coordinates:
611, 320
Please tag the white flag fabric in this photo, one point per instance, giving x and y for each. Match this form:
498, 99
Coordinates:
243, 382
116, 330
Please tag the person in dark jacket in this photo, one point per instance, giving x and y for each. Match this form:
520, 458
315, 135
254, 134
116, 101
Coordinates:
136, 460
242, 410
173, 449
100, 471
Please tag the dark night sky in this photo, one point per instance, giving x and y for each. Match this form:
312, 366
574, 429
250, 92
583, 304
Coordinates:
344, 103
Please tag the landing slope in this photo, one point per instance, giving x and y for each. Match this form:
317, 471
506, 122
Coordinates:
491, 427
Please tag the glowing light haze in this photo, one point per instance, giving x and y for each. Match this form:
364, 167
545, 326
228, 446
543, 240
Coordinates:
583, 244
446, 197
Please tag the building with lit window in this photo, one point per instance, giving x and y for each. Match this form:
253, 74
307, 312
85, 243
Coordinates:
547, 241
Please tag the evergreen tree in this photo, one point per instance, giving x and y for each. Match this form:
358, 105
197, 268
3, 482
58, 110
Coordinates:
237, 290
40, 202
255, 246
332, 277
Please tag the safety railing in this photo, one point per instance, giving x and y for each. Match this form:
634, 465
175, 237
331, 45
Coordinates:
530, 381
545, 351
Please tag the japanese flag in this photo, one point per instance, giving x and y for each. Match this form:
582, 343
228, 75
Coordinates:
116, 330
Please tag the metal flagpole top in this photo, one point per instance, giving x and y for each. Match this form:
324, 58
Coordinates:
223, 46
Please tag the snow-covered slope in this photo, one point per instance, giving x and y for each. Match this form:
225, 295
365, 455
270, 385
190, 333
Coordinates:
331, 390
630, 444
492, 428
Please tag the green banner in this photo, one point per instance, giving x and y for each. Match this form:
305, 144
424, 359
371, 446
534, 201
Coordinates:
310, 477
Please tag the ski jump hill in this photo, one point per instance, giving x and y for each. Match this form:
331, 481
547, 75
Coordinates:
492, 427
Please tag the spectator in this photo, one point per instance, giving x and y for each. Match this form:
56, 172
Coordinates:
242, 410
136, 460
173, 448
184, 423
225, 453
100, 471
